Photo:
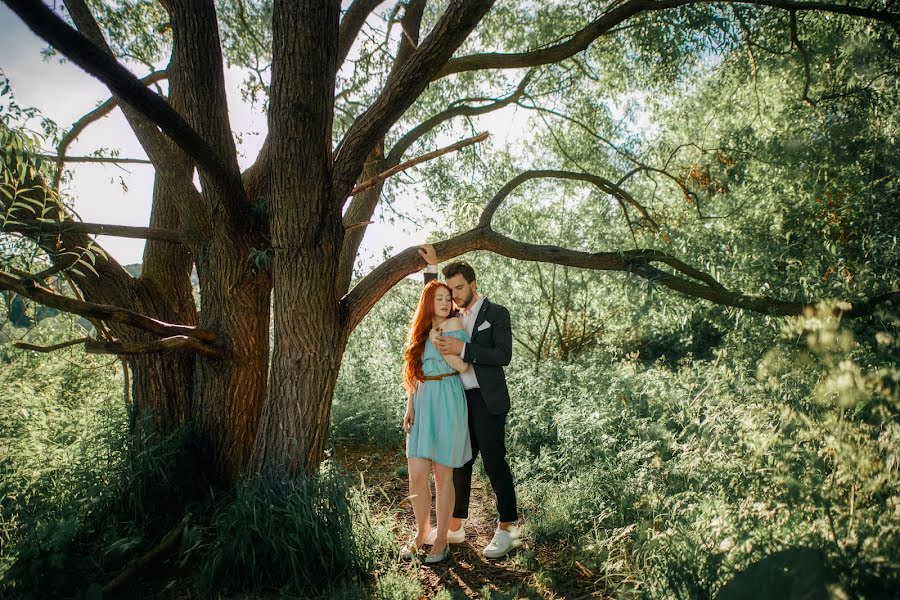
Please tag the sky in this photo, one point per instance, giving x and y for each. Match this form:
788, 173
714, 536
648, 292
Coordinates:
121, 194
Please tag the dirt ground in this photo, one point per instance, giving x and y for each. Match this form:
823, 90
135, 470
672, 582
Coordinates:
528, 572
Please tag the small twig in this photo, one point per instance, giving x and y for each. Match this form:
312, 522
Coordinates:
369, 183
357, 225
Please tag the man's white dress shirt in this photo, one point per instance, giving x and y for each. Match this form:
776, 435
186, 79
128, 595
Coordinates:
469, 380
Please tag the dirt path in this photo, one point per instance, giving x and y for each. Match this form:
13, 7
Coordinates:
528, 572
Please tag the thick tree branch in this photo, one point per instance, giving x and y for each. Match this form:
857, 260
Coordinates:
175, 343
53, 348
636, 262
351, 24
583, 38
144, 233
103, 312
359, 214
197, 56
409, 82
174, 192
91, 117
46, 24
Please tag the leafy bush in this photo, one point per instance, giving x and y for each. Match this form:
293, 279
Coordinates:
677, 480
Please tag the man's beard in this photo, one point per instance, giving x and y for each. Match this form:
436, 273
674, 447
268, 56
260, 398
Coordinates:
467, 302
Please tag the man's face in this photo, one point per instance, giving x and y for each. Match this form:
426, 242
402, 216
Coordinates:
463, 291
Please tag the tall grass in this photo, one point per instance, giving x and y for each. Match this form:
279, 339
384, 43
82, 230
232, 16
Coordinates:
669, 482
83, 497
668, 473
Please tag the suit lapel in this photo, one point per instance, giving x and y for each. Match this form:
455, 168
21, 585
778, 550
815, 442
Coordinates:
479, 318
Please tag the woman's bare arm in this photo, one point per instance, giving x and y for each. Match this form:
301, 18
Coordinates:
457, 363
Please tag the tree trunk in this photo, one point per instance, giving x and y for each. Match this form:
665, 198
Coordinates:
229, 393
307, 233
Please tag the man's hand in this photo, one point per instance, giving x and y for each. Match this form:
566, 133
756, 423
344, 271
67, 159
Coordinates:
448, 345
427, 252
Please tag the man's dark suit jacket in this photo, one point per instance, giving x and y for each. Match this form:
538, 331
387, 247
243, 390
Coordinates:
489, 350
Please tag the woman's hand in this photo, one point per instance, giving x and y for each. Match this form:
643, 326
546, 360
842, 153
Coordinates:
408, 418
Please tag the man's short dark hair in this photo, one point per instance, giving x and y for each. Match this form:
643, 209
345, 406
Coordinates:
460, 267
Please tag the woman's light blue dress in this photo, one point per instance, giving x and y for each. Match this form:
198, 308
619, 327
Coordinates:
440, 429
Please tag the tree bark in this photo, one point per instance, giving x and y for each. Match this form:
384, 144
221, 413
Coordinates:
307, 233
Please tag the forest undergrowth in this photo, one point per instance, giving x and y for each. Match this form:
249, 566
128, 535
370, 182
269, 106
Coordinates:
645, 470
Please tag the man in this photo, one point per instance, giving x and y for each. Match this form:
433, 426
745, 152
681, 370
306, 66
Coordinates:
487, 396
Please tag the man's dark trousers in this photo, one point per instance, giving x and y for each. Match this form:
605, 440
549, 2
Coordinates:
487, 432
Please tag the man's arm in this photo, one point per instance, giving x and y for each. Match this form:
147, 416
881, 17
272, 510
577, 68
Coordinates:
501, 354
427, 252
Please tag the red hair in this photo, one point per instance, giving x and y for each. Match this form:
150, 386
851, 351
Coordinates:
419, 328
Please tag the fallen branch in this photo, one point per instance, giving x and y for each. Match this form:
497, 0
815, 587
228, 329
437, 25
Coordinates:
166, 544
415, 161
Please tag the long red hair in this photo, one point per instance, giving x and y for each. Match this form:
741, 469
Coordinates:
419, 328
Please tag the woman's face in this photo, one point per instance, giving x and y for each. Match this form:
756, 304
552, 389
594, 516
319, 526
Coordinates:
442, 303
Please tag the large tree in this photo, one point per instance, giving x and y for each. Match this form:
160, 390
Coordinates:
278, 242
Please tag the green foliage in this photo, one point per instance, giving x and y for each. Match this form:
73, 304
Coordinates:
397, 586
85, 494
26, 197
681, 478
369, 399
81, 492
294, 534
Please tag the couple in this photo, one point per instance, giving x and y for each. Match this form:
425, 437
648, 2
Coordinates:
456, 407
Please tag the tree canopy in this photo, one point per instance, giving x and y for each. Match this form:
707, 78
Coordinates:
742, 153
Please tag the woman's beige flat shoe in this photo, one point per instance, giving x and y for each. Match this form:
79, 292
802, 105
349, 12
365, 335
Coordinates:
436, 558
409, 551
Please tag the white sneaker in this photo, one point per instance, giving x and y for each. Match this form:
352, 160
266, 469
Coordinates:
453, 537
502, 542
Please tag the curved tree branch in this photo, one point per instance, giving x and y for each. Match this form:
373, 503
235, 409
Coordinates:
584, 37
464, 110
601, 183
408, 82
103, 312
383, 176
91, 117
686, 279
352, 22
636, 262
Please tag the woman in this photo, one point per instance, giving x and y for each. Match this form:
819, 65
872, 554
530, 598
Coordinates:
436, 419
